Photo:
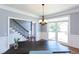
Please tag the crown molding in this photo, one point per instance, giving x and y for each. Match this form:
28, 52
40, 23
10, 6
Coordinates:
62, 13
18, 11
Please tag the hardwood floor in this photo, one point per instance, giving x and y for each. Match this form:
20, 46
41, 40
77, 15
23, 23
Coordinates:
53, 46
74, 50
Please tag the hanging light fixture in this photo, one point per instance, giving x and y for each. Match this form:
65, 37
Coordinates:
43, 21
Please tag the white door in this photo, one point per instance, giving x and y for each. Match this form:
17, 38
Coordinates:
58, 31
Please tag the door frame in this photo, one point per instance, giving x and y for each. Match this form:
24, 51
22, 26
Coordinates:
9, 18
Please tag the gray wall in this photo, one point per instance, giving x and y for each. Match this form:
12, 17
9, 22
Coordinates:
74, 24
3, 26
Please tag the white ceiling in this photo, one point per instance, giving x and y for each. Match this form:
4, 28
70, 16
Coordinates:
36, 9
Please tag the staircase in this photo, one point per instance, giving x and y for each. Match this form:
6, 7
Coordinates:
17, 31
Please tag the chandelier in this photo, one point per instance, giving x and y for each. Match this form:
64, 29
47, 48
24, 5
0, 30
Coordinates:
43, 21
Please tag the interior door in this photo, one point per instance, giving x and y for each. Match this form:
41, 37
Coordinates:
63, 33
58, 31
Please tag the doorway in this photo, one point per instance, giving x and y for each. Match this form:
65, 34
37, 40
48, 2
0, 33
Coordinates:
58, 31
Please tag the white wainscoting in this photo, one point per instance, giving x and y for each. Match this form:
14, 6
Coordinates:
44, 35
3, 44
74, 41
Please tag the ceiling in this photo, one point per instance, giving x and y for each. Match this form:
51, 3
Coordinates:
36, 9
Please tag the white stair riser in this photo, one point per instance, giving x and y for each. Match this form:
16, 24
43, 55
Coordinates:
16, 34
